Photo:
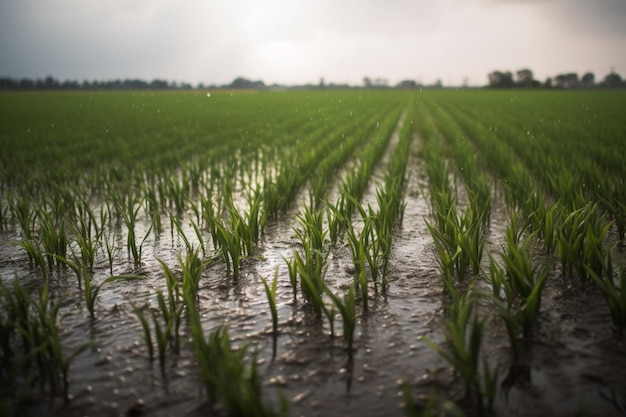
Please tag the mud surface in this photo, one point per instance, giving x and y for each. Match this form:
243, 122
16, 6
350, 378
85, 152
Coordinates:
573, 366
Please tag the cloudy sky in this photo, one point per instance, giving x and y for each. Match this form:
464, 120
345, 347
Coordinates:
300, 41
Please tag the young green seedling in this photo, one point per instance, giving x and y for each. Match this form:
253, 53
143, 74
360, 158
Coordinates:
347, 310
615, 295
91, 292
270, 291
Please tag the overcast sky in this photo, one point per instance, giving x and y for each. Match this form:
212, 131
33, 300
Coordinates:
300, 41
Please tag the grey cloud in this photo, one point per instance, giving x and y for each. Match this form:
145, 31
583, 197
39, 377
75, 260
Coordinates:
214, 41
601, 17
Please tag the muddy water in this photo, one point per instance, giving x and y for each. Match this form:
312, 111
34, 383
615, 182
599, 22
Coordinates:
573, 363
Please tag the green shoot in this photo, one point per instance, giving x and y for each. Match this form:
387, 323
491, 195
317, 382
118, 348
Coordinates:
227, 378
147, 334
464, 342
35, 255
91, 292
271, 299
615, 295
347, 310
292, 268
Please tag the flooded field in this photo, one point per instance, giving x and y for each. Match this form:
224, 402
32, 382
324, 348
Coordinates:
384, 219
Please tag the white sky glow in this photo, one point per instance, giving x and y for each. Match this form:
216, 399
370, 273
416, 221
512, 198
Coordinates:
297, 42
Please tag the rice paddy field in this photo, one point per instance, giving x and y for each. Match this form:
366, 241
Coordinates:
313, 253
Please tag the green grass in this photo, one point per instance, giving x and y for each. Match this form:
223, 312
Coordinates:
228, 378
20, 209
517, 286
43, 363
92, 291
147, 332
347, 309
35, 254
581, 241
270, 291
615, 294
464, 350
310, 266
216, 171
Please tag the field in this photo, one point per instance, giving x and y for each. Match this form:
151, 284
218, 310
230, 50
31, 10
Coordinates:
313, 253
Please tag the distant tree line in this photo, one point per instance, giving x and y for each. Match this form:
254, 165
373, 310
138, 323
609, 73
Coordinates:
524, 79
245, 84
239, 83
50, 83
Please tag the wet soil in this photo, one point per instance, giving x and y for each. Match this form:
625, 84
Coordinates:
574, 364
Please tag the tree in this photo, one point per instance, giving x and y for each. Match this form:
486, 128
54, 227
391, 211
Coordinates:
612, 80
499, 79
588, 80
48, 83
569, 80
407, 84
70, 85
243, 83
525, 78
8, 84
157, 84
